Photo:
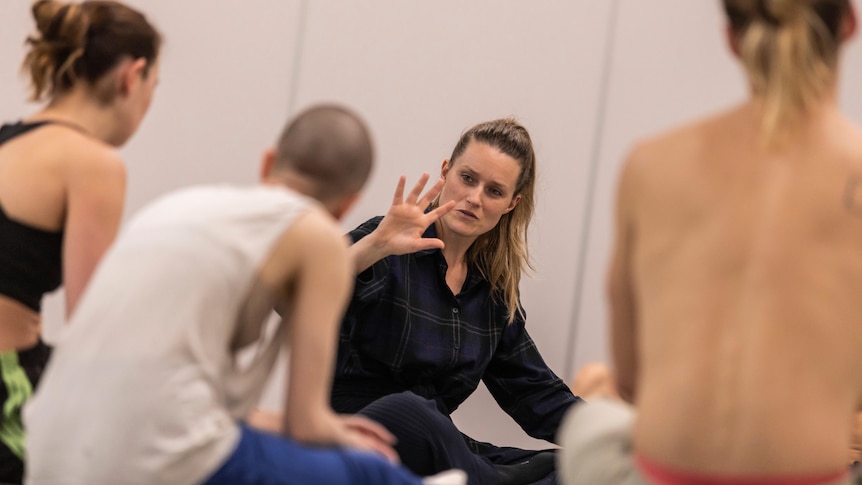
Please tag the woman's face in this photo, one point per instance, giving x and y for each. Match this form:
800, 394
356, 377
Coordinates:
482, 183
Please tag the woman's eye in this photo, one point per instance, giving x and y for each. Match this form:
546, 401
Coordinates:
466, 178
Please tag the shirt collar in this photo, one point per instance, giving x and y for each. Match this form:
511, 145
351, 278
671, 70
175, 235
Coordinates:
474, 276
431, 232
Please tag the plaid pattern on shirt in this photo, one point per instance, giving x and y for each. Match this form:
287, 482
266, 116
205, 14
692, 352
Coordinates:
405, 331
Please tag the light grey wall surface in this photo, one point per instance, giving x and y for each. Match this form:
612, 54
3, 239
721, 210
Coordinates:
669, 64
15, 25
588, 78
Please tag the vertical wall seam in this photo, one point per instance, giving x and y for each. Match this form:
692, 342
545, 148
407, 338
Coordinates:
592, 177
297, 58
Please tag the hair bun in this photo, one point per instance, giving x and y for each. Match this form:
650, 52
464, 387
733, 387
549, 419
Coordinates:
780, 12
62, 24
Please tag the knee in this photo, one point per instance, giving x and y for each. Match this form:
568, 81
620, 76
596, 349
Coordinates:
405, 402
413, 419
405, 410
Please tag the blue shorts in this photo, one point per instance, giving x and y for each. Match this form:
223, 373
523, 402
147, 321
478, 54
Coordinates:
264, 458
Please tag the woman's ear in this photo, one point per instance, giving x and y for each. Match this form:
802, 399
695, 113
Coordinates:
267, 164
444, 168
850, 24
732, 40
512, 204
131, 74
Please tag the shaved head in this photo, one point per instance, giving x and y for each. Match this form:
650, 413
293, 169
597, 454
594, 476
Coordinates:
330, 147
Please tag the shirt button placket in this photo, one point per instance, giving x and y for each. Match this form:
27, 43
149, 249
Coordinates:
456, 329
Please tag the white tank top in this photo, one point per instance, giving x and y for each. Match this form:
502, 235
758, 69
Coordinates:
144, 386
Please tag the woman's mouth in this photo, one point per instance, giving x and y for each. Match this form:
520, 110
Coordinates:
467, 214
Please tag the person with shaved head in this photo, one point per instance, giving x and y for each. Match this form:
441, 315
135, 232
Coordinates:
147, 386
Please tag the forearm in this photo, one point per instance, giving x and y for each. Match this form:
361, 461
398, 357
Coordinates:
317, 426
367, 251
308, 416
527, 389
538, 409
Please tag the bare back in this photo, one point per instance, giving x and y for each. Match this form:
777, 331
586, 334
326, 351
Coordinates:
32, 192
745, 274
55, 178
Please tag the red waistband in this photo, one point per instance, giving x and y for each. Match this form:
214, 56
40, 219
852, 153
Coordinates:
666, 476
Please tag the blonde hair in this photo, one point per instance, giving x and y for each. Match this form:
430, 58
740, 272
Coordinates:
82, 42
789, 49
502, 254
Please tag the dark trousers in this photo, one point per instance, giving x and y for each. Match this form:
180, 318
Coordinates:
429, 442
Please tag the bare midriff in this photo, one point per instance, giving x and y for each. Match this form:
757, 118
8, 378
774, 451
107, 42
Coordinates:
20, 326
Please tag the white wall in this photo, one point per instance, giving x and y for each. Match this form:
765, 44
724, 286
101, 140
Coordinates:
663, 72
586, 77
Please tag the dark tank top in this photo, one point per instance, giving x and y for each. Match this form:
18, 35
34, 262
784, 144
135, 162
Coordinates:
30, 258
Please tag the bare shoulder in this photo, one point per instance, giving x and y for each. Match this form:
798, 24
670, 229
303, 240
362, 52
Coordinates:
70, 144
66, 152
668, 151
318, 233
85, 157
684, 139
313, 242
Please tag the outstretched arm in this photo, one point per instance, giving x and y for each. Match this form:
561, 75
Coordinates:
400, 231
523, 384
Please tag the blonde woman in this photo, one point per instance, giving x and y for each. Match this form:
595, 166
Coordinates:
62, 183
734, 287
436, 309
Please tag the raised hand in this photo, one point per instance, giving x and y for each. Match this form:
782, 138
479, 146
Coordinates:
400, 231
406, 221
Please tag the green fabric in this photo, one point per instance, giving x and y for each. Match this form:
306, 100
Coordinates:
19, 390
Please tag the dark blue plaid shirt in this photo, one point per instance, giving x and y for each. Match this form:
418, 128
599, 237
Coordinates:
406, 331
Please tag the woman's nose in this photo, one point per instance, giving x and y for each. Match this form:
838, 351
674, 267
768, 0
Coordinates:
474, 195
